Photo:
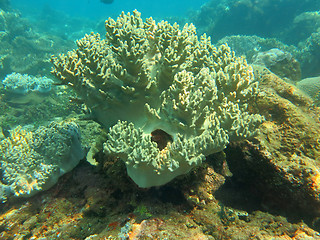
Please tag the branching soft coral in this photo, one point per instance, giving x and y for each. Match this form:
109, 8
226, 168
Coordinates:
168, 97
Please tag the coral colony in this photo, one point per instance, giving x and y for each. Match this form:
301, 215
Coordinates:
168, 97
22, 84
33, 161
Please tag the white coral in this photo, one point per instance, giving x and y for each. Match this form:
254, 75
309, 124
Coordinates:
24, 83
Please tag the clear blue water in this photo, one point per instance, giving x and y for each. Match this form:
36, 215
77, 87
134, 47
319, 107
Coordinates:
290, 22
94, 9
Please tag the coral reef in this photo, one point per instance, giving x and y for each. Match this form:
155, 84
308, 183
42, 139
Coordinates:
252, 45
33, 161
296, 31
36, 108
309, 55
24, 50
264, 18
273, 192
106, 208
21, 84
303, 25
163, 94
168, 98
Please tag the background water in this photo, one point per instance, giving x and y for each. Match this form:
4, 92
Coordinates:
94, 9
289, 25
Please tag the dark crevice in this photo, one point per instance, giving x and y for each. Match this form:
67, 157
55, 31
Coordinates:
161, 138
255, 186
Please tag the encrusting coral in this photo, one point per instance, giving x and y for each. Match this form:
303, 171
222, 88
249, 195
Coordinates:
168, 97
33, 161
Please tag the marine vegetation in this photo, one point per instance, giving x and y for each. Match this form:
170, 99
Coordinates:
168, 97
34, 161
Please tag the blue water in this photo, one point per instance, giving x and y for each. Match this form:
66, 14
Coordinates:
94, 9
290, 22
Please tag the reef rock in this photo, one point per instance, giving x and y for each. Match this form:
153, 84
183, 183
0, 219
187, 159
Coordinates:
33, 161
279, 62
169, 98
311, 86
282, 163
310, 55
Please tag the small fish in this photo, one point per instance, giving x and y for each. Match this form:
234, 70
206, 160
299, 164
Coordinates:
113, 225
106, 1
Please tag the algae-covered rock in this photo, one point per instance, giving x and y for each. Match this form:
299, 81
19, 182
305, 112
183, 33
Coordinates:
282, 162
279, 62
311, 86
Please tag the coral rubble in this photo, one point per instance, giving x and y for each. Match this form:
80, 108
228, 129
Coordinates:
169, 98
33, 161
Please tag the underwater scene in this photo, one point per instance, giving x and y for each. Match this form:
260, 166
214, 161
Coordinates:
161, 120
